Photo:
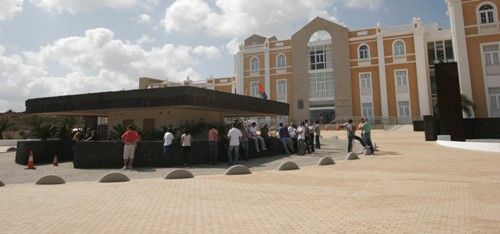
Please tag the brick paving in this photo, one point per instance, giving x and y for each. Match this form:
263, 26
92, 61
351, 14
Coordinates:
411, 186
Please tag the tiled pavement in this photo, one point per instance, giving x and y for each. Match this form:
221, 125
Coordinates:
411, 186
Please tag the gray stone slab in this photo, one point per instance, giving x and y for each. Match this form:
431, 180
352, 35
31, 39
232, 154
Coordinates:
352, 156
238, 170
326, 161
1, 184
179, 174
114, 177
286, 166
50, 179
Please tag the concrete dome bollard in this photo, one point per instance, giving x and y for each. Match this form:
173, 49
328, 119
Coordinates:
1, 184
238, 170
287, 166
352, 156
325, 161
50, 179
114, 177
179, 174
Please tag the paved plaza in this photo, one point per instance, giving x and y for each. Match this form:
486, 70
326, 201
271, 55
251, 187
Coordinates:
409, 186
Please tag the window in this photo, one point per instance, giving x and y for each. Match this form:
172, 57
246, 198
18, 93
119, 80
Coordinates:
494, 94
404, 108
281, 63
321, 86
440, 52
367, 109
399, 50
319, 57
254, 67
486, 14
365, 80
364, 54
320, 50
254, 89
492, 59
401, 81
281, 90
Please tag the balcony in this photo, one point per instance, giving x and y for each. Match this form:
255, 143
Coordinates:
493, 69
254, 73
489, 28
364, 62
399, 58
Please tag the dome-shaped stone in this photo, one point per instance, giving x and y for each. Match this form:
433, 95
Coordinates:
114, 177
286, 166
325, 161
50, 179
352, 156
179, 174
238, 170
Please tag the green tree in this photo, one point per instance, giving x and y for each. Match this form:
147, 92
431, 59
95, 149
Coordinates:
5, 124
41, 127
468, 107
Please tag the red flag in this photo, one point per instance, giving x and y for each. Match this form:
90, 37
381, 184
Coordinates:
262, 91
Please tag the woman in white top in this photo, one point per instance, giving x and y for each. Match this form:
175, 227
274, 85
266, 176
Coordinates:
186, 141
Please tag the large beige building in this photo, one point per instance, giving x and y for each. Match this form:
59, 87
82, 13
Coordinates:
328, 71
476, 38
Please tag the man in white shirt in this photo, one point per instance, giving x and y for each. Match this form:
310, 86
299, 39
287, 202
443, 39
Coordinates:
301, 137
167, 144
234, 136
256, 138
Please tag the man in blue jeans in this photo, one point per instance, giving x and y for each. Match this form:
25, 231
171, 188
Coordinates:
234, 136
282, 134
213, 139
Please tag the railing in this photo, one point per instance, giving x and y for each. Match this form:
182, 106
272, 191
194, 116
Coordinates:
363, 61
399, 58
402, 89
489, 28
254, 73
377, 122
493, 69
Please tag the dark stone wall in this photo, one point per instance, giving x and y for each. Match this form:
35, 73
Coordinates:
44, 151
418, 126
109, 154
482, 128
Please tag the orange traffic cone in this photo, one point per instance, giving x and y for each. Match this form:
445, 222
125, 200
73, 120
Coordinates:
55, 163
31, 163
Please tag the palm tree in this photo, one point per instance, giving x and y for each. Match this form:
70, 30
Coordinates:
5, 124
468, 107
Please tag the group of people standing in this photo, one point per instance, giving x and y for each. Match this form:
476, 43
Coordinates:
305, 137
365, 138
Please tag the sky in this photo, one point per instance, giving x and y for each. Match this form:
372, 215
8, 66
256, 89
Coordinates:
61, 47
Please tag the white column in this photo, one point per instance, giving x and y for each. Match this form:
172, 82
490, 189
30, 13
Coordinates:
382, 75
239, 72
267, 71
423, 76
460, 45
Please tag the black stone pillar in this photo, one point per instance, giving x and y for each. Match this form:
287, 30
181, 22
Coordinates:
449, 101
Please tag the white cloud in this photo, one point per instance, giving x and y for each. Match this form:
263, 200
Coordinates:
144, 19
9, 8
368, 4
239, 18
73, 6
145, 39
94, 62
208, 52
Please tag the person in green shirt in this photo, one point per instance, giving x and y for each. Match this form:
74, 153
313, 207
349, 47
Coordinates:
366, 128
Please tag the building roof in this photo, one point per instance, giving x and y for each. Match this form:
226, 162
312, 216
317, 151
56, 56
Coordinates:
100, 104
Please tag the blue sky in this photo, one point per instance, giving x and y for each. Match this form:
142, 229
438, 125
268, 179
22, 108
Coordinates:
58, 47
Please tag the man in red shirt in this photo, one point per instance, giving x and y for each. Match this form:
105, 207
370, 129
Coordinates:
130, 139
